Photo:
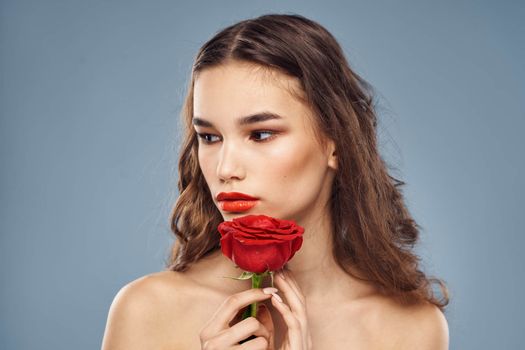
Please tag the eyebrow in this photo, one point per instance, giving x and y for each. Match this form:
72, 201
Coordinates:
249, 119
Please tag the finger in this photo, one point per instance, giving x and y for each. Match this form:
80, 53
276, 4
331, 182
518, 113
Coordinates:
237, 318
264, 316
240, 331
259, 343
292, 323
288, 275
231, 306
294, 298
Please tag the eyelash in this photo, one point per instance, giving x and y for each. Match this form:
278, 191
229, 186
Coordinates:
202, 136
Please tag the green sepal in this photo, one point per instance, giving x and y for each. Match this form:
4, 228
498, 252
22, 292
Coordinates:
244, 276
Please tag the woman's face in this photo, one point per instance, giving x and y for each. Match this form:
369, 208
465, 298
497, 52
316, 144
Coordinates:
276, 160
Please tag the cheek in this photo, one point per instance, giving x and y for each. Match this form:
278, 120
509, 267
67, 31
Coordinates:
206, 164
296, 168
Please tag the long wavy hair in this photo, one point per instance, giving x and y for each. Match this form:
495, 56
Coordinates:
373, 232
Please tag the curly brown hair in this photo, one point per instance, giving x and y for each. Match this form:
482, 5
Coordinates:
373, 232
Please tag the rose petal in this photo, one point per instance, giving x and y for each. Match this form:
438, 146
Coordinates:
258, 243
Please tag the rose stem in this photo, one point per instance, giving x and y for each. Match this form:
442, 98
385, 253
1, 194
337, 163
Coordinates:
256, 283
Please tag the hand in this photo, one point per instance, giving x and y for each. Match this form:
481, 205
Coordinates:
217, 333
298, 335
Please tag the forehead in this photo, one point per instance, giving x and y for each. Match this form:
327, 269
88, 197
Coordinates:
237, 89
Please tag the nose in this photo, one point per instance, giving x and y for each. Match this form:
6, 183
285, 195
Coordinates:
229, 166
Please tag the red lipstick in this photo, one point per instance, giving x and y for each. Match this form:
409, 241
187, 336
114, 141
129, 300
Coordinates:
233, 195
236, 201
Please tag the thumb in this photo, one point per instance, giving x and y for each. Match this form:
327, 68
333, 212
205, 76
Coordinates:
264, 316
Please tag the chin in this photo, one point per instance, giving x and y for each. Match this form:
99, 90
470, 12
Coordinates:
231, 215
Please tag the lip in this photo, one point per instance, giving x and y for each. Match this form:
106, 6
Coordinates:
232, 196
236, 201
237, 205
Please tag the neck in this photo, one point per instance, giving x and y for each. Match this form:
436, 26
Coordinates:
315, 269
314, 266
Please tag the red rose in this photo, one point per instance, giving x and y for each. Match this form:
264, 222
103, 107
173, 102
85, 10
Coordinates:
259, 243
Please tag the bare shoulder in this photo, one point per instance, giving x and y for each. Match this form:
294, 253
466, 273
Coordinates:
144, 312
422, 327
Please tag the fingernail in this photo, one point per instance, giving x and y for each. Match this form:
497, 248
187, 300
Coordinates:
270, 290
277, 297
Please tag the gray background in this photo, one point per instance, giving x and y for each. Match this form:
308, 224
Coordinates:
90, 93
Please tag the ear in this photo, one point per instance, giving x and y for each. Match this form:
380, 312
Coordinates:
332, 156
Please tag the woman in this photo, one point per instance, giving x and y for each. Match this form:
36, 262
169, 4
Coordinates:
274, 112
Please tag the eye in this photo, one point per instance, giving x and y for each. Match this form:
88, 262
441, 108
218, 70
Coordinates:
261, 132
256, 135
206, 137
